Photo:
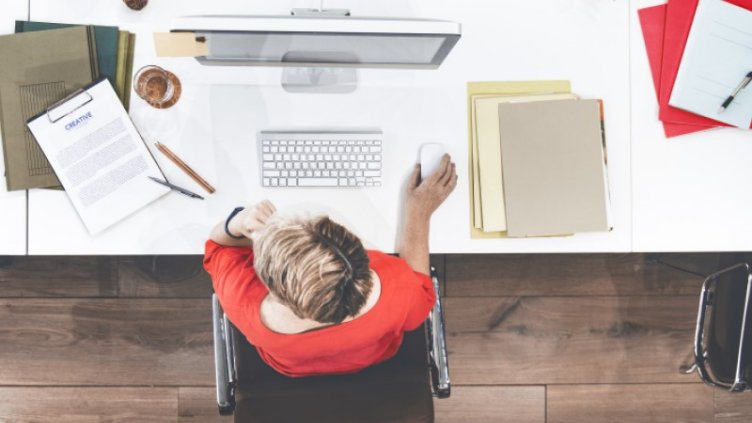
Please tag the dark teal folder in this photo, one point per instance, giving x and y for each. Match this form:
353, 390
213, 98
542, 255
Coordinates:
106, 42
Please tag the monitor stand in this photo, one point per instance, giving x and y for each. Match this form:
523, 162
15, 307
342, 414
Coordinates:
319, 80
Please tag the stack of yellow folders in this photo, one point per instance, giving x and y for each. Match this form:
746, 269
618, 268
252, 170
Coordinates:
537, 159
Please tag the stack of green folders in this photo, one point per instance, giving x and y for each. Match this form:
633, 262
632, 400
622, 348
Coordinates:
42, 64
537, 161
114, 50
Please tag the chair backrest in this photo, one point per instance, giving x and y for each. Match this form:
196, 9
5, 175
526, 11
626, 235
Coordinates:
397, 390
723, 340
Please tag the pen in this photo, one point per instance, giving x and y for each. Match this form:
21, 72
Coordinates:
176, 188
182, 165
740, 87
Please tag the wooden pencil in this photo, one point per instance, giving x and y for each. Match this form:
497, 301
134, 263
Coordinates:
187, 169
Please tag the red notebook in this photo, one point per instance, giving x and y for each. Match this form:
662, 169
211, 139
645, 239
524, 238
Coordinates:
653, 23
679, 16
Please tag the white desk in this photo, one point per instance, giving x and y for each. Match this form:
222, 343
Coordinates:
690, 193
12, 204
214, 125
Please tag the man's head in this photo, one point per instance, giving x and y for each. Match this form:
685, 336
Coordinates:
315, 267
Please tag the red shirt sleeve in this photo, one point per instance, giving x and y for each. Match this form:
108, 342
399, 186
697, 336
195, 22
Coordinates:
232, 272
421, 302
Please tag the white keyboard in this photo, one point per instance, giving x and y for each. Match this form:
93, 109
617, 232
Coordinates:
320, 159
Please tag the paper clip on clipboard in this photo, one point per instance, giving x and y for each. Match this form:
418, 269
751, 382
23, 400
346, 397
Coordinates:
67, 105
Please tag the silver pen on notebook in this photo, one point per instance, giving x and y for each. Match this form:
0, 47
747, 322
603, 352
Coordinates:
733, 95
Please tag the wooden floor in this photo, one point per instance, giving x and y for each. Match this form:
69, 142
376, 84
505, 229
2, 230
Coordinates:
532, 338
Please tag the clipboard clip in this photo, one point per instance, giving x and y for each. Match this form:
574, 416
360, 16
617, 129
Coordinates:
86, 99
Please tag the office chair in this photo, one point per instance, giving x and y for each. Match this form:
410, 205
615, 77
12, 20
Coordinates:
397, 390
723, 337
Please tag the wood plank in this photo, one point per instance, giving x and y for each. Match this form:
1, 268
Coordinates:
732, 408
87, 405
492, 404
573, 274
164, 277
669, 403
106, 342
540, 340
199, 405
58, 277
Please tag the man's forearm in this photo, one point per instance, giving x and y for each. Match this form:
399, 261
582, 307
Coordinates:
413, 247
219, 236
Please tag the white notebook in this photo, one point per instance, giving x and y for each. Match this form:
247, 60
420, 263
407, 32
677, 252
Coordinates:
716, 59
98, 156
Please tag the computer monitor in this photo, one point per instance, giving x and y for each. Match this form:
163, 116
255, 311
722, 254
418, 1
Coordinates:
322, 40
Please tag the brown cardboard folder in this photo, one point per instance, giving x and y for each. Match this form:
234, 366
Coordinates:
39, 68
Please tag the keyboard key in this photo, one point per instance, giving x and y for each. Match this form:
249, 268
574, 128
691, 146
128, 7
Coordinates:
372, 173
271, 173
374, 165
269, 165
318, 182
292, 182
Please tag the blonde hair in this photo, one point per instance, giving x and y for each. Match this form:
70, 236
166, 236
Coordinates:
316, 267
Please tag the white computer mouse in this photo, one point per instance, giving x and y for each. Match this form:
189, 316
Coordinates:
430, 158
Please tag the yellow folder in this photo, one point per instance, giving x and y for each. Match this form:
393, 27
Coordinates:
495, 89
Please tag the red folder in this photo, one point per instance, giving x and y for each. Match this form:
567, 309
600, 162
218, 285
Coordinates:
679, 17
653, 23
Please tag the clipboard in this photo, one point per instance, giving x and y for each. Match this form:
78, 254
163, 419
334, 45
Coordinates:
67, 105
98, 155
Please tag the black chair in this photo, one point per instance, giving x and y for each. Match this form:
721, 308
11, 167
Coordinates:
723, 337
397, 390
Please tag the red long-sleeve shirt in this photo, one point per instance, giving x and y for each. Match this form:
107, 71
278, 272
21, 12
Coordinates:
405, 301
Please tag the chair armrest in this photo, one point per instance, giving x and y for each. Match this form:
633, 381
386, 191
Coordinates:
224, 359
437, 351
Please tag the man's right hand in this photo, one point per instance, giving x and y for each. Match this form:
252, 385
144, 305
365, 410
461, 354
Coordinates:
424, 197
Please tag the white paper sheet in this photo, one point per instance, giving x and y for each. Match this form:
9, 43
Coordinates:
716, 59
98, 156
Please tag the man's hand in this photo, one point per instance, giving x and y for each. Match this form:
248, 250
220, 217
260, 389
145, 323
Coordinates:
245, 223
424, 197
252, 219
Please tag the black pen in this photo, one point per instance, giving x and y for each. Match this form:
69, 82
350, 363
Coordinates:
176, 188
740, 87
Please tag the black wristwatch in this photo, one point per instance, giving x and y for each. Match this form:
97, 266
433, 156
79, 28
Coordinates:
227, 223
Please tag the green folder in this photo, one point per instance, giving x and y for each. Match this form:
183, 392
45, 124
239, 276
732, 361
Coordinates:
106, 41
